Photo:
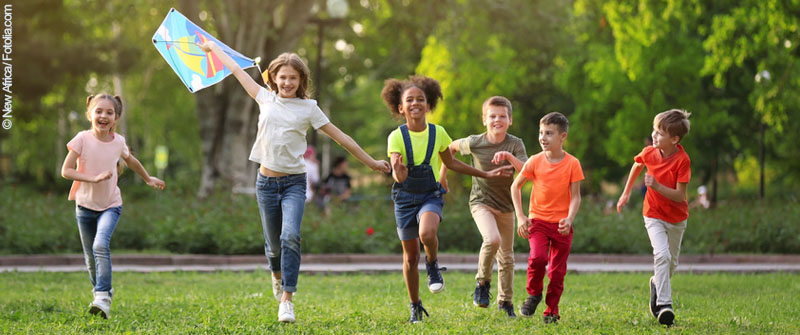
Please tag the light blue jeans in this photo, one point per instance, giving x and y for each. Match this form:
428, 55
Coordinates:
95, 229
281, 201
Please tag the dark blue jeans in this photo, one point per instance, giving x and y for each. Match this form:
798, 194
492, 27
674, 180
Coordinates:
281, 201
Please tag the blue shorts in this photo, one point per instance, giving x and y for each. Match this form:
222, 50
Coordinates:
408, 207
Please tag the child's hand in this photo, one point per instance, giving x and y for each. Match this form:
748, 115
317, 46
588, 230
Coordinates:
400, 170
102, 176
564, 226
650, 181
499, 157
156, 183
623, 199
206, 47
522, 226
382, 166
443, 181
501, 172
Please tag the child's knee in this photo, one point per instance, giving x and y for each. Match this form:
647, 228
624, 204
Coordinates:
427, 236
537, 261
662, 256
291, 241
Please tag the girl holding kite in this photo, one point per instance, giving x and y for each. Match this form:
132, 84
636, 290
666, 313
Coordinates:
286, 112
92, 165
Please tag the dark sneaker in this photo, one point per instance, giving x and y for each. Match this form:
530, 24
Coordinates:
529, 306
416, 312
666, 316
548, 319
435, 279
481, 296
508, 307
653, 297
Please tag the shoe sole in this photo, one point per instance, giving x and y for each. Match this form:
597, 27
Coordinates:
480, 305
653, 297
436, 291
524, 315
94, 310
666, 316
287, 320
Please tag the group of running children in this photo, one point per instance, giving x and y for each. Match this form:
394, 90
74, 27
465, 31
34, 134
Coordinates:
420, 155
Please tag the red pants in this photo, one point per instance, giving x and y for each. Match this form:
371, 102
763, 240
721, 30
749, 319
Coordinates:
544, 237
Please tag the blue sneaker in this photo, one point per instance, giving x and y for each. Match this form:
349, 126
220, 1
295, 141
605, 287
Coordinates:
435, 279
416, 312
481, 296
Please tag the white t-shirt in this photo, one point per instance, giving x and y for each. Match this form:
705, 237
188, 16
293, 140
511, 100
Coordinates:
282, 125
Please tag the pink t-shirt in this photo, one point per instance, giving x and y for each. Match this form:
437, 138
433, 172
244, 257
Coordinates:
94, 157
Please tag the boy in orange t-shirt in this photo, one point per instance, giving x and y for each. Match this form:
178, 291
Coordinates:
665, 207
555, 199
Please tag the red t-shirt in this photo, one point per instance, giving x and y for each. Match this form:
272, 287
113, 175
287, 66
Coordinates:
668, 172
551, 192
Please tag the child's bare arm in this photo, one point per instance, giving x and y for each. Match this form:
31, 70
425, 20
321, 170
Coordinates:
677, 194
500, 156
137, 167
461, 167
453, 147
565, 224
623, 198
247, 82
399, 170
353, 148
68, 171
516, 199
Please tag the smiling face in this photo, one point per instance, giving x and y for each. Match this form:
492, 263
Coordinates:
103, 116
550, 137
288, 80
413, 104
496, 119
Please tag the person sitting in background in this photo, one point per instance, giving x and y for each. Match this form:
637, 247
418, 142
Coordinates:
336, 187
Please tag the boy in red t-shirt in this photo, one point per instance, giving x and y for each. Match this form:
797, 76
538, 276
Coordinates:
665, 207
555, 199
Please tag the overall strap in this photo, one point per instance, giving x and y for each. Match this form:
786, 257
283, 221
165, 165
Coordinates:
407, 143
431, 144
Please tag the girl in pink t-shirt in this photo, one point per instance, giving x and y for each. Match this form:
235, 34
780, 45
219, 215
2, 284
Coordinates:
92, 165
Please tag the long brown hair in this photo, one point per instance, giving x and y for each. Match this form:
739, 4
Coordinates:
293, 60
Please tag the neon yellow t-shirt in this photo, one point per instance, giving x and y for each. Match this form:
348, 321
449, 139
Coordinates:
419, 144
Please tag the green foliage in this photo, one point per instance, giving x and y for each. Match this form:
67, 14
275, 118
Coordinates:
223, 224
235, 302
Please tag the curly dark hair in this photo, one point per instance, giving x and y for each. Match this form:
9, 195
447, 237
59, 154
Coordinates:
393, 90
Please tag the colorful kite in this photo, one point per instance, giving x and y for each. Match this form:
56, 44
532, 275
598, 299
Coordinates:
178, 40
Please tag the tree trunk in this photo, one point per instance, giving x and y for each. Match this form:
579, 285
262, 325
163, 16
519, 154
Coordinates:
227, 115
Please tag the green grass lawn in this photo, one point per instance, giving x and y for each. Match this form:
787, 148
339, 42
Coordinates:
241, 303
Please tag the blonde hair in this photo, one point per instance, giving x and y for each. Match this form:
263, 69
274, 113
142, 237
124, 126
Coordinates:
293, 60
674, 121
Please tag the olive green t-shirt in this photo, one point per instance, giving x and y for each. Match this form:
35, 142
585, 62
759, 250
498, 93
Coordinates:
495, 193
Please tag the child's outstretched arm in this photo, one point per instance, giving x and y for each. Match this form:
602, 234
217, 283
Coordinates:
460, 167
565, 224
354, 149
453, 148
677, 194
516, 198
501, 156
137, 167
626, 193
247, 82
68, 171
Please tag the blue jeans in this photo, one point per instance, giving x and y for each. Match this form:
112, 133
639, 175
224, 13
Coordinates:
96, 229
281, 201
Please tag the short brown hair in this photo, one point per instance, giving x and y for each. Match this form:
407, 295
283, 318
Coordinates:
497, 101
293, 60
674, 121
557, 119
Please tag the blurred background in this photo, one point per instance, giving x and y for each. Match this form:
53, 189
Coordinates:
609, 66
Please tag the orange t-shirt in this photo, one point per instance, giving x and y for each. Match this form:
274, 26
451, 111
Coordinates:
668, 172
551, 194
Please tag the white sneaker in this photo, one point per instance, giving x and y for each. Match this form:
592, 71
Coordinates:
277, 291
101, 305
286, 312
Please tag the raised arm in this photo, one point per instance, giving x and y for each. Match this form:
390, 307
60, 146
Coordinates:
626, 193
461, 167
247, 82
353, 148
501, 156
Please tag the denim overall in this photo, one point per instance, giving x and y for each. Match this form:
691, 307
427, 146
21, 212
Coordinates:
420, 190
